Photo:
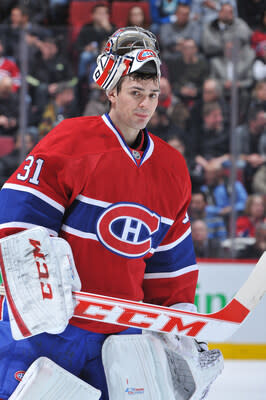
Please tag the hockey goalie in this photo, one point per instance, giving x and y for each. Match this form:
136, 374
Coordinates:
100, 204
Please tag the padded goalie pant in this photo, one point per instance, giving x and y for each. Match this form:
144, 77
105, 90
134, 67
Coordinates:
76, 350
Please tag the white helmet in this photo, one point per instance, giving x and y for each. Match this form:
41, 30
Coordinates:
126, 51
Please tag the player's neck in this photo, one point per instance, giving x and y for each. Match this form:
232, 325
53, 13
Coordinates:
128, 133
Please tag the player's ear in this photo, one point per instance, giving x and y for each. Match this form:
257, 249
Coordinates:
112, 95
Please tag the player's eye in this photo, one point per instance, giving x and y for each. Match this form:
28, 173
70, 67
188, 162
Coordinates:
135, 93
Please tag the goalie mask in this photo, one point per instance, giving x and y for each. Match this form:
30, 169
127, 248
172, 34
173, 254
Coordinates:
128, 50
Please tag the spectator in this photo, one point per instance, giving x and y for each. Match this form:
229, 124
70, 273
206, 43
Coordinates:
17, 19
136, 17
258, 38
187, 72
211, 140
218, 191
180, 115
255, 250
9, 68
177, 143
172, 35
225, 27
198, 210
211, 92
92, 36
60, 107
176, 139
251, 11
203, 246
255, 212
251, 144
222, 69
163, 12
48, 69
98, 103
174, 107
8, 107
160, 124
258, 183
258, 96
20, 19
38, 10
10, 162
167, 99
207, 10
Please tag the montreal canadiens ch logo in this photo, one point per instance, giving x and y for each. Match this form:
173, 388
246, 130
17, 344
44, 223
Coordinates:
144, 54
126, 229
19, 375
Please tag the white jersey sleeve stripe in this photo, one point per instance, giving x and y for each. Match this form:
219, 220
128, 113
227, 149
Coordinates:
175, 243
36, 193
24, 225
105, 204
174, 274
81, 234
91, 201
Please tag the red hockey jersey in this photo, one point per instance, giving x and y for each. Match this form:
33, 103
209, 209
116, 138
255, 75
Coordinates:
126, 222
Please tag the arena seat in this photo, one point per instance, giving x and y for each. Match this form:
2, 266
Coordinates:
119, 11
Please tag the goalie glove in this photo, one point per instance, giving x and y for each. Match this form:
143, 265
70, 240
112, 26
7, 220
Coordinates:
193, 367
39, 275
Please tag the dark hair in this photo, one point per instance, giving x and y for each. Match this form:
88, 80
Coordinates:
98, 5
145, 24
138, 76
252, 114
208, 108
23, 9
180, 4
203, 194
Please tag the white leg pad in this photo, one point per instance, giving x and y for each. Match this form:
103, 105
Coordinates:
136, 365
45, 380
158, 366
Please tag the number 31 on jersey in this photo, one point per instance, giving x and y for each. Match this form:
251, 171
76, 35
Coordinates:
32, 168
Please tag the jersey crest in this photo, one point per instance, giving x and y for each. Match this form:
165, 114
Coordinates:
127, 228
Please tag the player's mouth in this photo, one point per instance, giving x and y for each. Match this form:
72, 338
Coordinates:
142, 116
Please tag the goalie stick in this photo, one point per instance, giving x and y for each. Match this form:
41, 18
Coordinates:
217, 326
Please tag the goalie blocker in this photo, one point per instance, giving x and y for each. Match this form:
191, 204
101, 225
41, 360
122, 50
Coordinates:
39, 275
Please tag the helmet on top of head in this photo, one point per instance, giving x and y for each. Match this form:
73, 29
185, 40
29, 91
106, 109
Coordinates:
128, 50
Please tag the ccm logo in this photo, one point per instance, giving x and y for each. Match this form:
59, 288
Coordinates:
152, 320
42, 269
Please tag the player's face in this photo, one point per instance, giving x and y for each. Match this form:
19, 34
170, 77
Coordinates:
133, 106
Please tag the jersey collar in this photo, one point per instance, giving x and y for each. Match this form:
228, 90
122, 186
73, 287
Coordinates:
150, 144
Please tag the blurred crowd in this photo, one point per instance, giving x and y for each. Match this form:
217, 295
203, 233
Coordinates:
213, 61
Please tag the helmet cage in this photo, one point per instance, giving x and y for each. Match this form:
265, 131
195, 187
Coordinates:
127, 39
126, 51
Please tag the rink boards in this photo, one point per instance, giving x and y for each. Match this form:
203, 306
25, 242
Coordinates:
218, 282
